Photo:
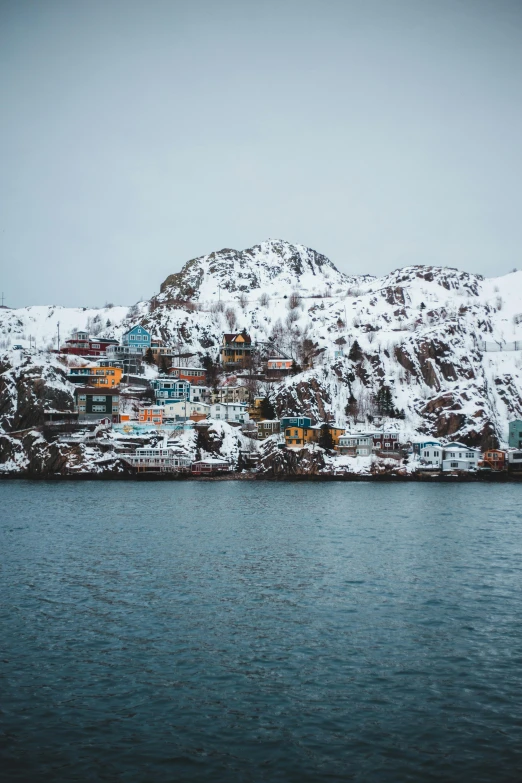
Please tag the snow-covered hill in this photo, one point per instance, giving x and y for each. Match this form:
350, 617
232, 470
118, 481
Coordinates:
421, 332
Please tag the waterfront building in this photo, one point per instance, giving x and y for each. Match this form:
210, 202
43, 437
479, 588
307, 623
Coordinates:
431, 456
210, 465
494, 459
515, 434
457, 456
162, 459
357, 444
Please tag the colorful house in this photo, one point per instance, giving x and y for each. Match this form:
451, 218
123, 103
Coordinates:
515, 434
235, 348
94, 404
494, 459
197, 376
268, 427
151, 414
95, 376
278, 367
385, 441
81, 344
297, 430
166, 389
137, 339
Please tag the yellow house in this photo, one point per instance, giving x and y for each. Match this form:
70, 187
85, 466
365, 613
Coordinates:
235, 348
105, 376
298, 436
254, 411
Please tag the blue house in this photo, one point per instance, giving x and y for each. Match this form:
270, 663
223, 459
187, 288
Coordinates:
137, 339
170, 390
295, 421
428, 443
515, 434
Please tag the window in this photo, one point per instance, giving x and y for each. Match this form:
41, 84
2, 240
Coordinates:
454, 465
82, 408
97, 398
98, 408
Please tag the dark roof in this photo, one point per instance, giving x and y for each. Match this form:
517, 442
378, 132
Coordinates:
112, 392
231, 337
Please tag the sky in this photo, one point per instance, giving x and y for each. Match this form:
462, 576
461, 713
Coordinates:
136, 135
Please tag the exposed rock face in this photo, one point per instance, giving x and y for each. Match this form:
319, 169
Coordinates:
27, 390
284, 462
258, 267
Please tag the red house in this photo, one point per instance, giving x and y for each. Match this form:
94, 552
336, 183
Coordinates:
197, 376
80, 344
385, 441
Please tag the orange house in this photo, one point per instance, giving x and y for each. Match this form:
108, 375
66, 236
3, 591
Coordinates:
151, 414
197, 376
494, 459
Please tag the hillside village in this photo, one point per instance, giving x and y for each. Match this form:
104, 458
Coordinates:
270, 362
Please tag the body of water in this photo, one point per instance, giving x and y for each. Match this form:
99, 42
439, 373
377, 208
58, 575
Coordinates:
257, 631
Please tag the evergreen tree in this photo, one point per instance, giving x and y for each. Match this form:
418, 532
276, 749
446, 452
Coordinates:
149, 356
422, 306
356, 353
352, 407
295, 369
384, 401
164, 368
267, 409
325, 438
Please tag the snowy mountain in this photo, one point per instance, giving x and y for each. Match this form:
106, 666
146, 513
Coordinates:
445, 345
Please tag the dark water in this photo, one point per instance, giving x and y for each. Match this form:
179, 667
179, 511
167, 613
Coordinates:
260, 632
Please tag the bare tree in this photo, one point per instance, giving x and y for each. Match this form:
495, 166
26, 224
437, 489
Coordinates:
264, 300
243, 301
230, 315
294, 301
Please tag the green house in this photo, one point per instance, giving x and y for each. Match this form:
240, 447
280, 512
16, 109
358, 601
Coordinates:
515, 434
93, 404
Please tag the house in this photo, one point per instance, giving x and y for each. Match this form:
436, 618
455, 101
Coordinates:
209, 466
151, 414
181, 410
95, 376
137, 339
197, 376
515, 434
163, 459
385, 441
457, 456
494, 459
94, 404
295, 421
233, 412
420, 443
236, 348
357, 444
278, 367
514, 460
229, 394
267, 427
254, 410
166, 389
81, 344
431, 456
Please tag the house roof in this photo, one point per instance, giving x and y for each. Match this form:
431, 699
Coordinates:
230, 337
97, 390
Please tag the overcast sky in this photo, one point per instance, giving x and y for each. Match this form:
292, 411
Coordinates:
137, 134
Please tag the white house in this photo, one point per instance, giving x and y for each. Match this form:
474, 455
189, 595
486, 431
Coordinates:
457, 456
233, 412
430, 456
179, 410
358, 444
161, 458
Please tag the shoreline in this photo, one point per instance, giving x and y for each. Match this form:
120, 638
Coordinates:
500, 477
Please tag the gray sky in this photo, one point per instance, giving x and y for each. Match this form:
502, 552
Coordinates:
135, 135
